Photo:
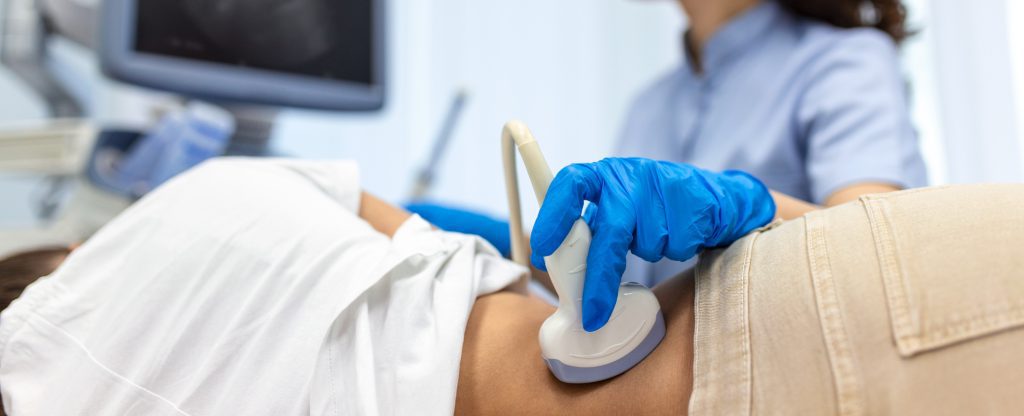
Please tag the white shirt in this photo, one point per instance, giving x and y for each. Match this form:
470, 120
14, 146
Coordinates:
249, 287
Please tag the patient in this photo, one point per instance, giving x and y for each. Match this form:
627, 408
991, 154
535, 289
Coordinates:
500, 364
860, 309
501, 372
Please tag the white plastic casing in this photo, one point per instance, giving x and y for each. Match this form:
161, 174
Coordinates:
572, 354
562, 336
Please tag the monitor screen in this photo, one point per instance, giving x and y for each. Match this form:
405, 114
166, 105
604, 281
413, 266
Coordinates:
330, 39
320, 54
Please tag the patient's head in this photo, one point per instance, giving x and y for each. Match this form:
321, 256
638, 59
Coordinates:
20, 270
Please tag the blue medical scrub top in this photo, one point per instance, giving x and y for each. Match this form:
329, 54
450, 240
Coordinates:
807, 107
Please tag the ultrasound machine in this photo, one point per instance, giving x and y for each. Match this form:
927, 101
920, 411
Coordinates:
250, 58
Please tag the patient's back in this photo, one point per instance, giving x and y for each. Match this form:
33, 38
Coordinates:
249, 287
502, 371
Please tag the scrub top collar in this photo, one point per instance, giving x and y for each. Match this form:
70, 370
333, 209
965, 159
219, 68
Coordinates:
733, 37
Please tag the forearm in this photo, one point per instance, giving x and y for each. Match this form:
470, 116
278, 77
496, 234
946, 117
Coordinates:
387, 218
382, 216
787, 207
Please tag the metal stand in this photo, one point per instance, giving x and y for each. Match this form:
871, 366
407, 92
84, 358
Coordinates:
23, 51
253, 129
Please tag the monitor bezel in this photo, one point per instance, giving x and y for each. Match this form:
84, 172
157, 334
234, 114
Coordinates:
220, 82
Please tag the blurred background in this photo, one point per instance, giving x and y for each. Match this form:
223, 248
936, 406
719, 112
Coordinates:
569, 69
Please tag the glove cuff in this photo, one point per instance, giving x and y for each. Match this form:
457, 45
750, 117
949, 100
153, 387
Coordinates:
745, 205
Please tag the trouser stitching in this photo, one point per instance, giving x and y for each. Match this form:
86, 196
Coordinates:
892, 277
848, 388
748, 379
718, 387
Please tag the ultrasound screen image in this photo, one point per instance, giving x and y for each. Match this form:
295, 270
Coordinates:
328, 39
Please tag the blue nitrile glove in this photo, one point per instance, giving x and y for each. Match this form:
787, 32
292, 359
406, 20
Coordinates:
459, 220
654, 209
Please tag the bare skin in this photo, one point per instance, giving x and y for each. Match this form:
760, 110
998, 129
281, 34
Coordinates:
706, 16
382, 216
788, 208
502, 371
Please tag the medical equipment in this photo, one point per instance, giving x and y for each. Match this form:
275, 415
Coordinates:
572, 354
653, 209
311, 54
25, 28
183, 139
317, 54
53, 149
425, 177
54, 153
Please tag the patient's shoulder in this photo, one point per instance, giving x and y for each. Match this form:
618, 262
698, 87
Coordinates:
236, 182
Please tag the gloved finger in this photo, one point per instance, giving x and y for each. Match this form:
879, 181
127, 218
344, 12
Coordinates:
606, 261
651, 231
562, 206
692, 223
590, 216
538, 261
685, 243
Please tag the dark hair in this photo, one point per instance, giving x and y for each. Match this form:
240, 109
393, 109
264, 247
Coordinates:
20, 270
888, 16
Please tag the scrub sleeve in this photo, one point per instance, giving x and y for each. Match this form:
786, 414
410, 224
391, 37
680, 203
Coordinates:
853, 115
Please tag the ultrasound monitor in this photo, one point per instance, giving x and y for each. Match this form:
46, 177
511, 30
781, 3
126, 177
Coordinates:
322, 54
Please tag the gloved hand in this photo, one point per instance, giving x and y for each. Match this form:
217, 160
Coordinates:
459, 220
654, 209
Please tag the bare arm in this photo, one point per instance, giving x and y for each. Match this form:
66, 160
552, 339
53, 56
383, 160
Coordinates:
788, 208
500, 370
853, 192
383, 217
387, 218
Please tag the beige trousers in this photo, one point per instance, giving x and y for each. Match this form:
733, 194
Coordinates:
902, 303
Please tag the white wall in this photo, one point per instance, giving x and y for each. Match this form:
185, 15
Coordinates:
567, 68
918, 63
1014, 17
978, 107
16, 103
